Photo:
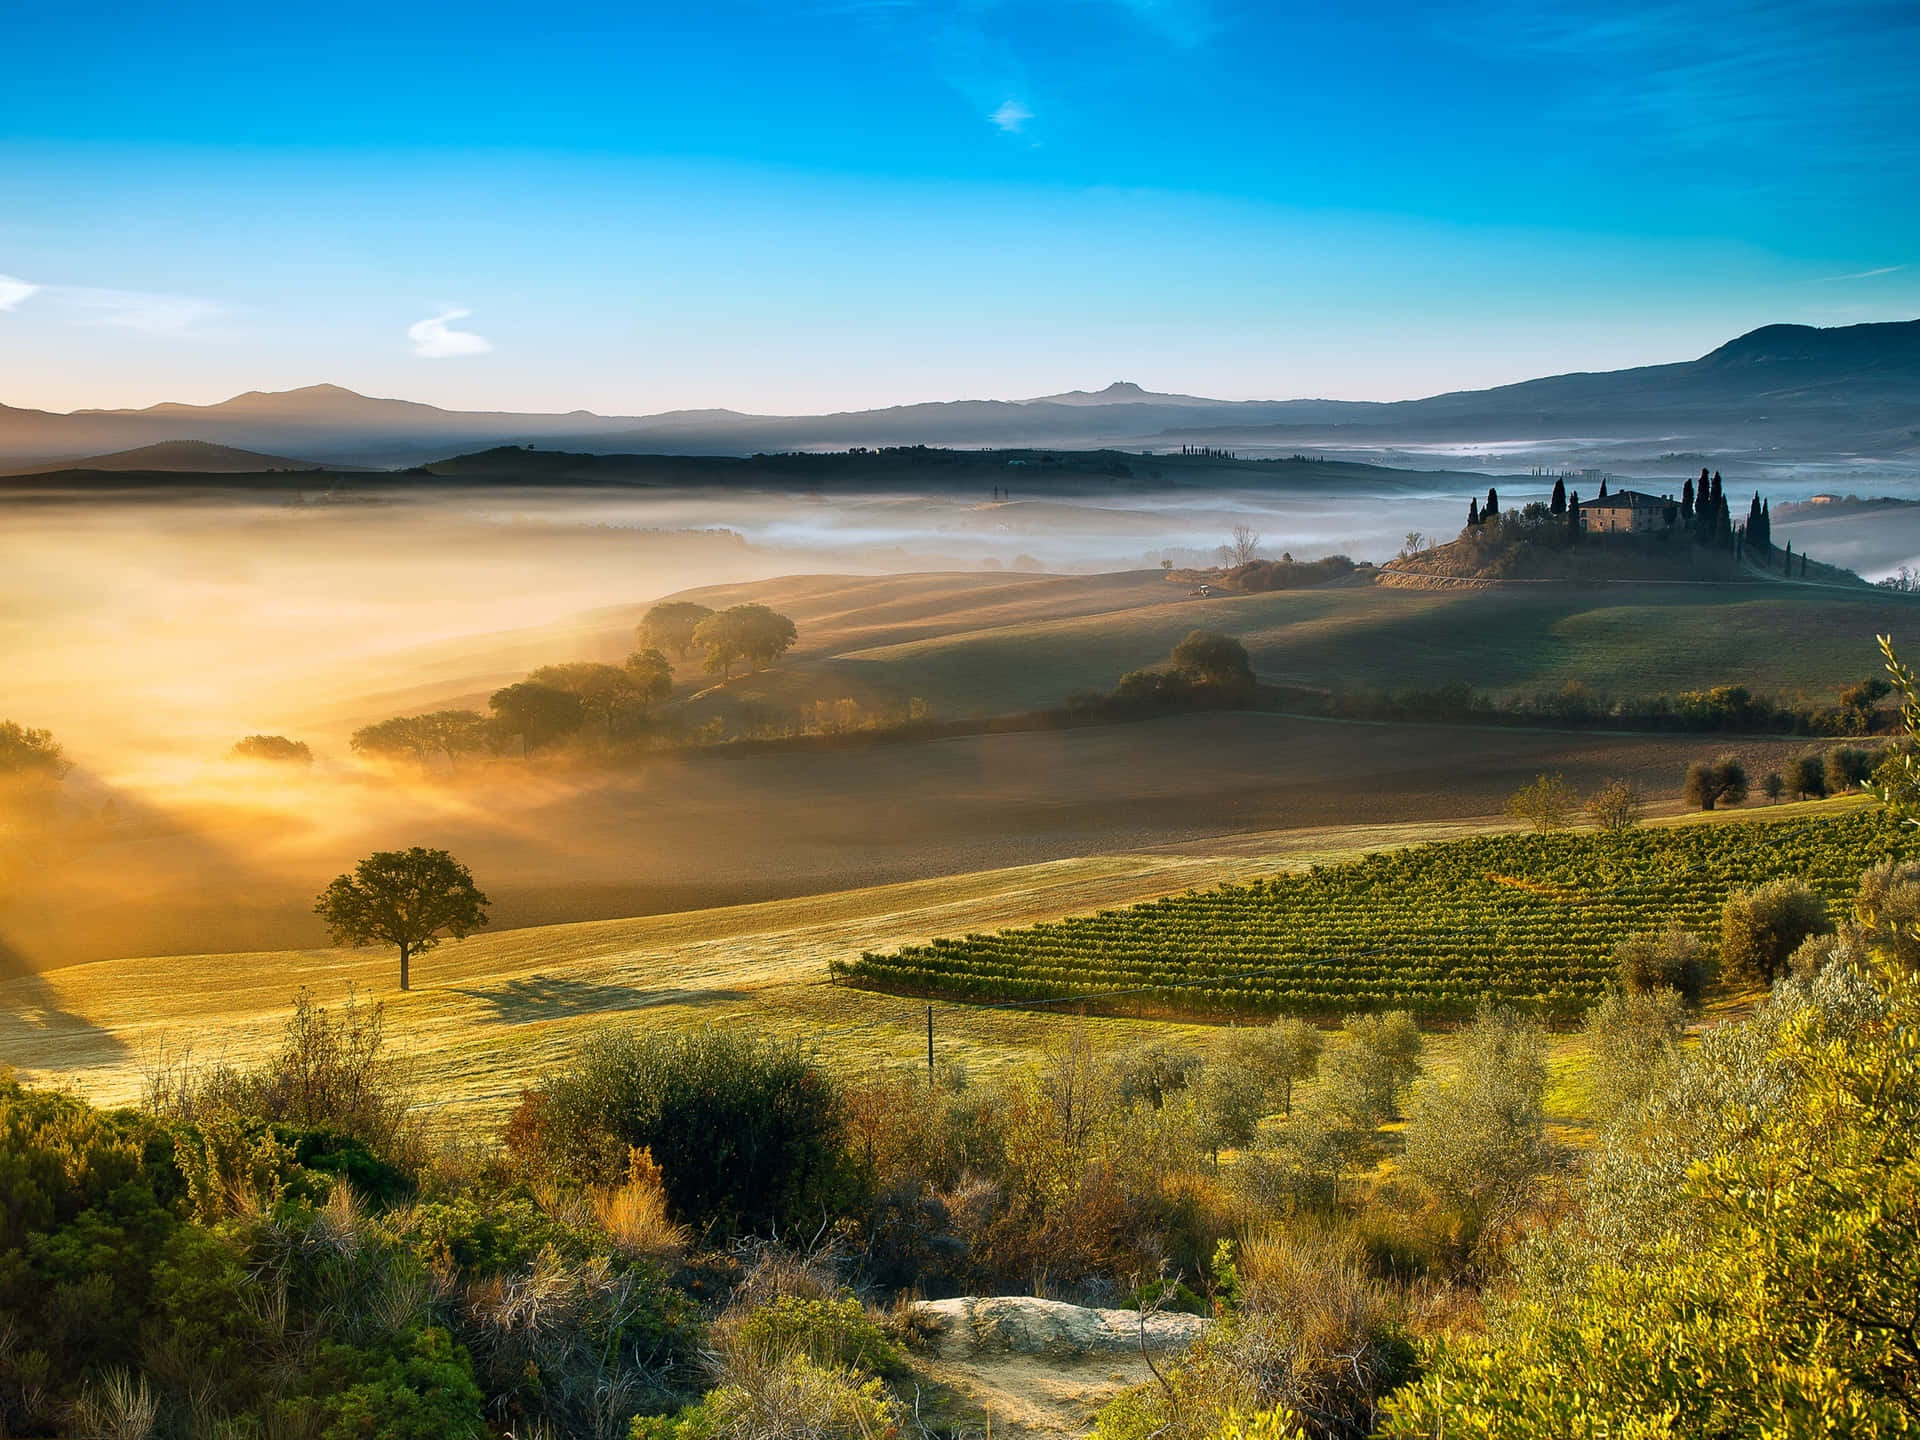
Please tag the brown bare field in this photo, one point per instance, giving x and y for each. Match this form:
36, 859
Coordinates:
235, 865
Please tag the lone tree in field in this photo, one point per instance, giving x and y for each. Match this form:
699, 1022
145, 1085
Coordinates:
671, 626
404, 898
1545, 804
1709, 784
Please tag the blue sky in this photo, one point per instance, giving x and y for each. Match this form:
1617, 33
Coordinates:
858, 202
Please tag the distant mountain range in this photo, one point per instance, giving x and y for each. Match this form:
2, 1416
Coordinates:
1782, 391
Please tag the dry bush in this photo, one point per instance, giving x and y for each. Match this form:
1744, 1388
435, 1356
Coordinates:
1315, 1337
634, 1216
120, 1406
785, 1397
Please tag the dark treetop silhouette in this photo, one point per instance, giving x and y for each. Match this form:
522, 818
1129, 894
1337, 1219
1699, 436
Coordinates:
405, 898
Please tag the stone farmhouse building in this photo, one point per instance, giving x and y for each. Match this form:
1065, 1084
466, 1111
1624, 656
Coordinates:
1626, 512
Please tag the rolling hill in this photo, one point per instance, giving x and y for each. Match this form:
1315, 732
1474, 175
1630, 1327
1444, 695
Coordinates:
192, 457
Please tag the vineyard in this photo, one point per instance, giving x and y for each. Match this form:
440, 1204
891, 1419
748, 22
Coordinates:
1529, 919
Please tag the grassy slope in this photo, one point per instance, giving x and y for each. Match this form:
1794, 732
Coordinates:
491, 1012
987, 643
1623, 640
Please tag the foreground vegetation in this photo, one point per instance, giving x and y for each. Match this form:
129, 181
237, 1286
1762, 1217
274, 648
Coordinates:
1529, 920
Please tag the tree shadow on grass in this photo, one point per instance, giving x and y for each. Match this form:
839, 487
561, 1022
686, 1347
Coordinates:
35, 1033
553, 997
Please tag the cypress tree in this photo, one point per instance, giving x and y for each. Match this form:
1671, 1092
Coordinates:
1573, 516
1603, 487
1558, 506
1473, 512
1493, 504
1686, 501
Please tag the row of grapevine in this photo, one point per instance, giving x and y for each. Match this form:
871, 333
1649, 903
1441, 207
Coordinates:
1529, 919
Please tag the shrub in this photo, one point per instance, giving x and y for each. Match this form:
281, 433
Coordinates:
749, 1136
1207, 658
1615, 806
787, 1397
1762, 927
1669, 959
837, 1333
1315, 1342
1545, 804
1632, 1040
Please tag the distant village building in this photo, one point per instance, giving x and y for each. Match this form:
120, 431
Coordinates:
1624, 512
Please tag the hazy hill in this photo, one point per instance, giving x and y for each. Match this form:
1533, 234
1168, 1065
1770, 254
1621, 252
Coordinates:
1792, 391
196, 457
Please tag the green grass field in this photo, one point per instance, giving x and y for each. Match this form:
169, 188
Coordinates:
489, 1014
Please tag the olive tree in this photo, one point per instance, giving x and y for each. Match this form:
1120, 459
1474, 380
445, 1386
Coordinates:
1481, 1135
1669, 959
1632, 1042
1279, 1054
1762, 927
1365, 1074
1722, 780
406, 898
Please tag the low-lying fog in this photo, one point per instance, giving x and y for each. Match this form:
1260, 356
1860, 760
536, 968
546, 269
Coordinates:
149, 634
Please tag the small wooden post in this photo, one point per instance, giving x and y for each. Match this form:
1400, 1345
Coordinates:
929, 1046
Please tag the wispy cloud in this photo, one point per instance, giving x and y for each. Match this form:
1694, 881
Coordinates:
1012, 116
13, 291
148, 312
1864, 274
436, 339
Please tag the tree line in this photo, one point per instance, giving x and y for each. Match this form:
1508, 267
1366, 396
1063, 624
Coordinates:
558, 702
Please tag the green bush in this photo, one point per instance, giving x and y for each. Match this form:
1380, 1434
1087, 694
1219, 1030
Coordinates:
1669, 959
1762, 927
750, 1136
835, 1333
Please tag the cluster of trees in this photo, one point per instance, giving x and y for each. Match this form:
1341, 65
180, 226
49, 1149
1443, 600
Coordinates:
750, 634
1702, 513
558, 702
1206, 668
274, 749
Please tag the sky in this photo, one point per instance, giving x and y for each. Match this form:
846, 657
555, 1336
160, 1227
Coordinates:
793, 208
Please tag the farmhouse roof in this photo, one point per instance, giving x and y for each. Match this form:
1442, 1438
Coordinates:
1626, 500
